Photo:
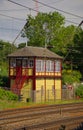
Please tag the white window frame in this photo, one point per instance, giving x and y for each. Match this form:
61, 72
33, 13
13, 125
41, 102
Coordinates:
57, 66
49, 66
40, 65
30, 63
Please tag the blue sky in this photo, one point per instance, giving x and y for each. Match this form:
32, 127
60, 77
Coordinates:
10, 27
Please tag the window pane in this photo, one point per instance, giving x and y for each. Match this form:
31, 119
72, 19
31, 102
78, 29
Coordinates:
24, 63
40, 65
12, 62
49, 66
57, 66
30, 63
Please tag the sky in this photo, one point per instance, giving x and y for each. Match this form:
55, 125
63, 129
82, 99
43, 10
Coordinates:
13, 16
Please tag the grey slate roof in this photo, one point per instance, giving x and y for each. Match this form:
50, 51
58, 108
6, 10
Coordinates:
30, 51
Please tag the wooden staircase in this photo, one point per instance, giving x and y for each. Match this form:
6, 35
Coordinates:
19, 81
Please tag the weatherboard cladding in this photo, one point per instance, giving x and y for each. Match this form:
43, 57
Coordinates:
30, 51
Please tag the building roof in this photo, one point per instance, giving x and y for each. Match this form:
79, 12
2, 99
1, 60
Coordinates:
30, 51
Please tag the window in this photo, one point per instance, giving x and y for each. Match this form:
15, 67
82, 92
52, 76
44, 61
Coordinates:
43, 65
40, 65
52, 66
30, 63
57, 66
12, 62
49, 66
24, 62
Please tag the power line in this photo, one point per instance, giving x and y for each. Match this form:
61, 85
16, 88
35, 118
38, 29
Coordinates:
22, 5
72, 22
12, 10
36, 10
53, 2
12, 17
59, 9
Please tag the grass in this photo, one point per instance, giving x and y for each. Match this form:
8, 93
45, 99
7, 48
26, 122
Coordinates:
4, 104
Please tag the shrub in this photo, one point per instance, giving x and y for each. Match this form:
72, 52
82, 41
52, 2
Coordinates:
79, 91
7, 95
70, 77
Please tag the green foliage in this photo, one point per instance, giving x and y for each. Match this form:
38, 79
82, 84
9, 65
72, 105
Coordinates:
1, 81
71, 76
44, 28
4, 81
5, 49
78, 46
7, 95
21, 45
49, 28
79, 91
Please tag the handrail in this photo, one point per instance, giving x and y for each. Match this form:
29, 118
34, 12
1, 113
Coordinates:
19, 81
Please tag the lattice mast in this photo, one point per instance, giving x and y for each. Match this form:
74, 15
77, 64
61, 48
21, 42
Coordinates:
36, 6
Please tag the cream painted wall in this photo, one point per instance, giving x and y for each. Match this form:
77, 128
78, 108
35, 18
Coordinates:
26, 90
58, 88
49, 89
48, 93
39, 84
40, 90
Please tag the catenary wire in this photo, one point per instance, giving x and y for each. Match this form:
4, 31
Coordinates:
12, 17
58, 9
36, 10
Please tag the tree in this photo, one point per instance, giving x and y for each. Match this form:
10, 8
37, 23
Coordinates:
43, 28
75, 54
48, 29
79, 91
5, 49
78, 45
21, 45
71, 76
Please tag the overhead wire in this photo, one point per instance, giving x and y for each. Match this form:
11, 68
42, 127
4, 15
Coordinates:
22, 5
49, 7
8, 10
49, 2
12, 17
39, 11
59, 9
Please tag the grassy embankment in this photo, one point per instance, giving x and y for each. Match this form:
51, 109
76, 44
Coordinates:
8, 100
5, 104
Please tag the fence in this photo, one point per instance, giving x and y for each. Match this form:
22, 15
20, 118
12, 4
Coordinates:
48, 95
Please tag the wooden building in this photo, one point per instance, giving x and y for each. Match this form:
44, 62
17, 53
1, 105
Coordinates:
33, 71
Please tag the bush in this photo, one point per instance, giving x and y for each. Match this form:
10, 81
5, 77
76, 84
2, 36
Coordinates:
7, 95
71, 76
79, 91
